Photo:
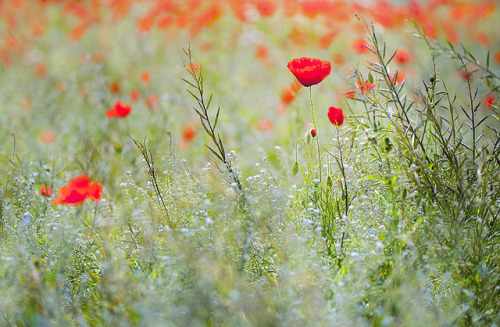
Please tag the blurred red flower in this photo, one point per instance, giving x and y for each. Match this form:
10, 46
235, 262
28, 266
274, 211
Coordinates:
364, 86
399, 78
47, 136
120, 110
497, 56
188, 133
264, 124
146, 77
152, 100
114, 87
313, 132
290, 92
359, 46
78, 190
309, 71
489, 101
135, 94
402, 56
46, 190
349, 94
266, 8
336, 116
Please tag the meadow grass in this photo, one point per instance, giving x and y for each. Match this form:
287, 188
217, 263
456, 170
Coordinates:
391, 220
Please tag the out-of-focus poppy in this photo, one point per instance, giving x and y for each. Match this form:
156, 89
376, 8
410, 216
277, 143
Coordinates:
114, 87
135, 94
466, 74
402, 56
264, 124
120, 110
364, 86
47, 136
78, 190
290, 92
188, 133
399, 78
266, 8
360, 46
145, 77
46, 190
41, 69
489, 101
349, 94
336, 116
309, 71
497, 56
62, 86
261, 53
152, 100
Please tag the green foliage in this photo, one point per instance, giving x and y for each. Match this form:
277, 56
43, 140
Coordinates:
392, 220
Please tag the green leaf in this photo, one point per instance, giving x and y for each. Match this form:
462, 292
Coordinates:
370, 77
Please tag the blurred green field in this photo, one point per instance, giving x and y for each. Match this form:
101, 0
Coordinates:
398, 226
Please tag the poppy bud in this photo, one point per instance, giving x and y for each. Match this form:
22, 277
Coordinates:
329, 183
313, 132
46, 191
295, 168
336, 116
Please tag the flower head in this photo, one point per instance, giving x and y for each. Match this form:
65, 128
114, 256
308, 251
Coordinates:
336, 116
120, 110
364, 86
402, 56
46, 190
77, 190
309, 71
313, 132
489, 101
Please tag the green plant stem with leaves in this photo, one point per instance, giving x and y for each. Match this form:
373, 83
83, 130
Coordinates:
317, 133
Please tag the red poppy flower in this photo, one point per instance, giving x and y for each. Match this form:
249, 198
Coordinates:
349, 94
114, 87
152, 100
336, 116
266, 8
135, 94
497, 56
467, 75
264, 124
489, 101
78, 190
400, 77
120, 110
188, 133
46, 191
360, 46
309, 71
364, 86
146, 77
313, 132
290, 92
402, 56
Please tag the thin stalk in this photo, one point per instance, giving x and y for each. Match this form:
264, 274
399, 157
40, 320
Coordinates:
317, 134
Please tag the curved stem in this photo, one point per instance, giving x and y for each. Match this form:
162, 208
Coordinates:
317, 134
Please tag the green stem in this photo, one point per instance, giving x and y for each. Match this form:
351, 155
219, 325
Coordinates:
317, 133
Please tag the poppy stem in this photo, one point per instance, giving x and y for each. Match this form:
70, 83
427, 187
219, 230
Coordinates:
317, 134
